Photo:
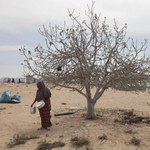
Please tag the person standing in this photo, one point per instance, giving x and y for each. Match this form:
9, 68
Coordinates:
43, 93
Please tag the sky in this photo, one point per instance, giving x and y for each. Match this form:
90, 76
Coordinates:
21, 19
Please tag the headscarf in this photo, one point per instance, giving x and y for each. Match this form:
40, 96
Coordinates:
43, 92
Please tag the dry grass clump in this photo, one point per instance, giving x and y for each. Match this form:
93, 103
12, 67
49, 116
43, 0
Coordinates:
48, 146
79, 142
103, 137
131, 118
64, 103
2, 108
19, 139
108, 111
128, 131
88, 148
135, 141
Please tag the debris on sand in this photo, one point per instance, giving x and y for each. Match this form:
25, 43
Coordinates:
130, 118
65, 113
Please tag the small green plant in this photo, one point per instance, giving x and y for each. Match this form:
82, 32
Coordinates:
19, 139
135, 141
48, 146
79, 142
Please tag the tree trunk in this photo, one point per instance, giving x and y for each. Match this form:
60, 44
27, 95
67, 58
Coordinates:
90, 110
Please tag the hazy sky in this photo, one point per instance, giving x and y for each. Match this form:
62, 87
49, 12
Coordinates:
20, 20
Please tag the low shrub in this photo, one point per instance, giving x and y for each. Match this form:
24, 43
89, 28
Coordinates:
79, 142
48, 146
19, 139
135, 141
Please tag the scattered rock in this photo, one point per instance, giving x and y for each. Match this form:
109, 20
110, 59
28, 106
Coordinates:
148, 104
125, 117
64, 103
26, 104
61, 136
75, 108
9, 112
144, 120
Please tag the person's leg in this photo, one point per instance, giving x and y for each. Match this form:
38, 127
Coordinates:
45, 117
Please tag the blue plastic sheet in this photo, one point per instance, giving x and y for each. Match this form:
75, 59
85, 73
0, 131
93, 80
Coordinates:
6, 97
16, 97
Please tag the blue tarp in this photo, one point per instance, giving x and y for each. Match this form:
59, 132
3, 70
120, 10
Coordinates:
16, 97
6, 97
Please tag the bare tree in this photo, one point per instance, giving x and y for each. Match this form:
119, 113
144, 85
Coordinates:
88, 55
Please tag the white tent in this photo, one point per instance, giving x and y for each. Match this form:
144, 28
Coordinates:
5, 79
17, 80
1, 79
20, 80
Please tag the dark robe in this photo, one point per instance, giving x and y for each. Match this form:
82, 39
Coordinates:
43, 93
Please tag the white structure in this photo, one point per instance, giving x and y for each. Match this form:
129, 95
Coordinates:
20, 80
5, 79
16, 80
30, 79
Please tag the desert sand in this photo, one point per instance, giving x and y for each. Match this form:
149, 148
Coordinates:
17, 119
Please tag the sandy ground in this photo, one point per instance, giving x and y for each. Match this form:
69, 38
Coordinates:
16, 119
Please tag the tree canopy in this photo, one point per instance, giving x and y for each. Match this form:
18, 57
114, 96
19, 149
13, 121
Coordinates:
87, 55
